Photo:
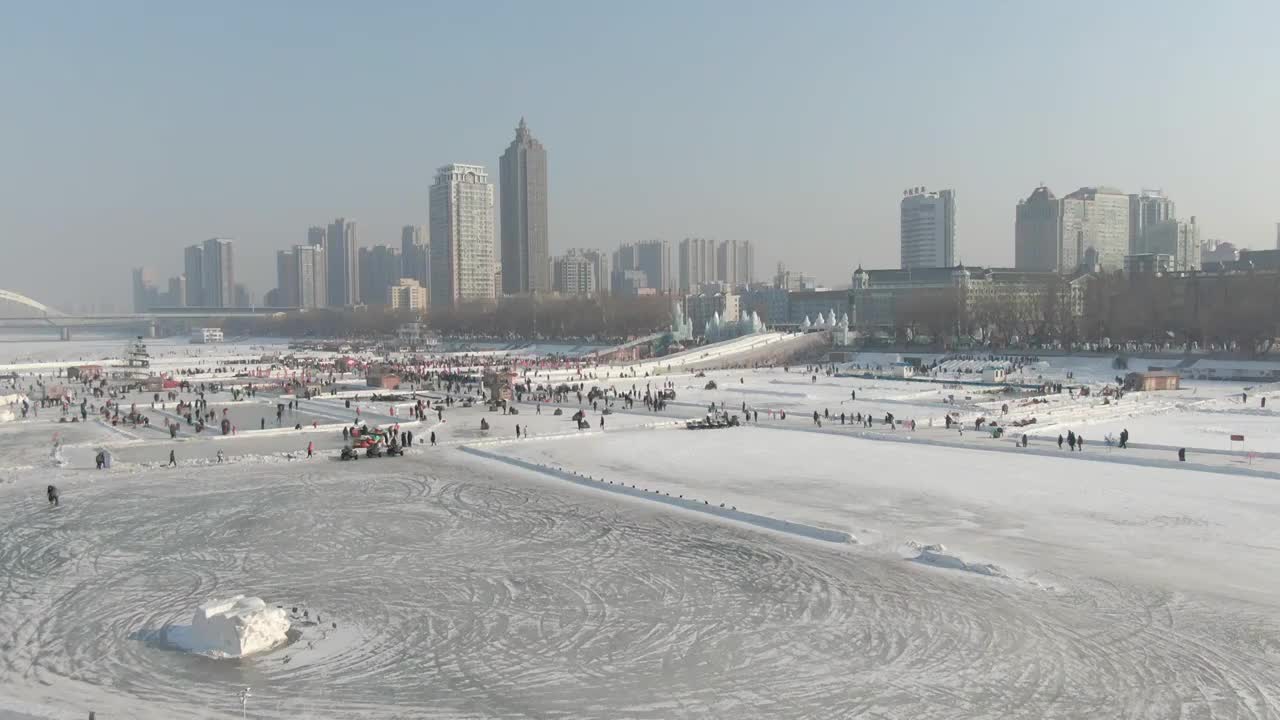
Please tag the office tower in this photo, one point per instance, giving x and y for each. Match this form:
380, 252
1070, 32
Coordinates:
312, 273
575, 274
652, 257
414, 254
462, 261
316, 236
1095, 229
343, 281
240, 296
286, 278
407, 294
146, 294
380, 268
927, 229
177, 291
697, 263
193, 268
1174, 238
522, 174
1147, 209
735, 262
218, 277
600, 266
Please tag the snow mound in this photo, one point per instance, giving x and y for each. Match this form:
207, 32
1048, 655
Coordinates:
937, 556
235, 627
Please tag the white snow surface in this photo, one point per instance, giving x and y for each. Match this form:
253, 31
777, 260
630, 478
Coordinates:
986, 581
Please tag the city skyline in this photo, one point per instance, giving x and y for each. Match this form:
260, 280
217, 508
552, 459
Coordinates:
167, 167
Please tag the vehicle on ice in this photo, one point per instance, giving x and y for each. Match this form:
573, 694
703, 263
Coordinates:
713, 421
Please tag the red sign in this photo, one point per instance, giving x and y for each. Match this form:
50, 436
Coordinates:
1237, 438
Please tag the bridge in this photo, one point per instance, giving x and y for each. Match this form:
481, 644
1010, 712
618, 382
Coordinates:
20, 311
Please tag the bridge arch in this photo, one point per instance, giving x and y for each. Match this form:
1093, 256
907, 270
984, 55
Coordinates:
19, 299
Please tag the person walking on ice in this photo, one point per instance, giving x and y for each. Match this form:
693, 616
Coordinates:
173, 459
311, 446
51, 493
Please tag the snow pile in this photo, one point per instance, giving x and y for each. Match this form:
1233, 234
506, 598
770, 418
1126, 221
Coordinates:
937, 556
236, 627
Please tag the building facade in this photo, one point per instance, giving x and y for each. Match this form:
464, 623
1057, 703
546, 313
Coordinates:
462, 247
380, 268
651, 257
927, 228
193, 268
342, 260
522, 174
735, 263
574, 274
696, 261
312, 276
1095, 229
415, 255
286, 278
1175, 238
407, 294
1147, 209
217, 274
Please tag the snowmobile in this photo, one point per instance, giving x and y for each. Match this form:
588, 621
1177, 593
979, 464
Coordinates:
374, 451
349, 454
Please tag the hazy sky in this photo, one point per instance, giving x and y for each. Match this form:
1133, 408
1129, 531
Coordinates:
132, 129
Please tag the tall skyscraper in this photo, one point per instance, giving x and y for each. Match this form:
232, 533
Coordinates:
177, 291
312, 272
414, 254
522, 172
462, 251
287, 278
1179, 240
193, 268
1038, 232
146, 293
735, 262
380, 268
1095, 228
697, 263
652, 257
218, 277
343, 269
928, 228
1147, 209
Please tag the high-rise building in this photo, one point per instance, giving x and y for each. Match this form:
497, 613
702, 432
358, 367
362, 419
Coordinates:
1146, 209
193, 268
928, 228
177, 291
414, 254
1180, 241
312, 273
600, 266
735, 263
1095, 229
218, 277
343, 281
380, 268
316, 235
240, 296
522, 173
146, 293
697, 263
407, 294
462, 251
1086, 228
652, 257
286, 278
574, 274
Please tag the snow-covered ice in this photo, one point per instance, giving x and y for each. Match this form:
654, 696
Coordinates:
447, 584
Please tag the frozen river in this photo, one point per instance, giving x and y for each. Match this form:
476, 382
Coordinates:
463, 588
